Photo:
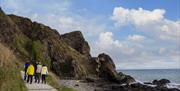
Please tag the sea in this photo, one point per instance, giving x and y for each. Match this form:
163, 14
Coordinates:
148, 75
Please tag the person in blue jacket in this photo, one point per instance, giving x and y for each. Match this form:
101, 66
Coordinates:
26, 65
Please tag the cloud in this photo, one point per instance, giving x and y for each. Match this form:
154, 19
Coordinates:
107, 43
138, 17
152, 22
162, 50
136, 38
162, 44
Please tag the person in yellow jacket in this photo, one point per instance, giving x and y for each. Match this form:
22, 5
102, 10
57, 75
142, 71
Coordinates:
30, 73
44, 73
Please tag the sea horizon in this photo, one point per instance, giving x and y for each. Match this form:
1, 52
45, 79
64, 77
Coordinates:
148, 75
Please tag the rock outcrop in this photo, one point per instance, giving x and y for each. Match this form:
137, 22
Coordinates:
76, 40
106, 69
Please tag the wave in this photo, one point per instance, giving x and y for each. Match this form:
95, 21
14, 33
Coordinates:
173, 85
169, 85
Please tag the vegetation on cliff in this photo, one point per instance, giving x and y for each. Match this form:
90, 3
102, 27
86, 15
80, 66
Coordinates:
10, 78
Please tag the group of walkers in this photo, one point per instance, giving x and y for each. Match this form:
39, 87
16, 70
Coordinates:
36, 70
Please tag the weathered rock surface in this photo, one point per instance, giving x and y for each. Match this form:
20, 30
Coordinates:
76, 40
106, 69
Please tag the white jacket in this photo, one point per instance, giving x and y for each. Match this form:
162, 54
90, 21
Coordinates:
39, 68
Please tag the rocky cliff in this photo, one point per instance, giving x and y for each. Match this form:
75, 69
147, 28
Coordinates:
76, 41
67, 55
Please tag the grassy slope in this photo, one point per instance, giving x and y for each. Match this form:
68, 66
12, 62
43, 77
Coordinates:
53, 81
10, 78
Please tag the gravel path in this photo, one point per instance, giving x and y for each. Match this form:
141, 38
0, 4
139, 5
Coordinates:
38, 87
77, 85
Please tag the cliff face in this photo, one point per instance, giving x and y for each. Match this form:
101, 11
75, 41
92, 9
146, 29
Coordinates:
66, 55
76, 40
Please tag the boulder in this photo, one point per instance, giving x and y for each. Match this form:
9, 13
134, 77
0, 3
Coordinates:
107, 67
164, 81
108, 71
161, 82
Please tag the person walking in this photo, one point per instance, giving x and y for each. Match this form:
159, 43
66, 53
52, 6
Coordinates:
44, 73
30, 73
35, 63
26, 65
38, 72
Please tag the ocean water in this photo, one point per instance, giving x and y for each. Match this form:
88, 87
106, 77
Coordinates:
148, 75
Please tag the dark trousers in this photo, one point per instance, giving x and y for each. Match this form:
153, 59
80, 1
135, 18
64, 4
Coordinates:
44, 79
38, 77
35, 77
25, 76
30, 78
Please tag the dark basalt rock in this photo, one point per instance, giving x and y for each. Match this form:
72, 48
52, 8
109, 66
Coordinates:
164, 81
106, 69
161, 82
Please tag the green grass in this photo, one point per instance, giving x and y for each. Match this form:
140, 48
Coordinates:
21, 44
10, 78
51, 79
37, 53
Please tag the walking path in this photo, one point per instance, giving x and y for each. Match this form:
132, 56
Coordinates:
38, 87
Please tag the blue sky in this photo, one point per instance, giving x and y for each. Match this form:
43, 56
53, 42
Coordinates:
137, 34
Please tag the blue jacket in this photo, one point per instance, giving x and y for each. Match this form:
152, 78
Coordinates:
26, 66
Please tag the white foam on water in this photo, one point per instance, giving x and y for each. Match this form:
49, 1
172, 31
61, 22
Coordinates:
138, 81
173, 85
169, 85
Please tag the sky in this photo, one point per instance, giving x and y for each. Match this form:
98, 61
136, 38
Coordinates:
137, 34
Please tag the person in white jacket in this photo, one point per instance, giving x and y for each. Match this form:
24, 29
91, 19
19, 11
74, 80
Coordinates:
38, 72
44, 73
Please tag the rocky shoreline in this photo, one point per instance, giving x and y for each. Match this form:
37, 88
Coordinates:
102, 85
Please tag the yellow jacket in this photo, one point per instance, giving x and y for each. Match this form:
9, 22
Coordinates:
44, 70
30, 70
